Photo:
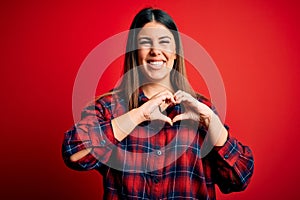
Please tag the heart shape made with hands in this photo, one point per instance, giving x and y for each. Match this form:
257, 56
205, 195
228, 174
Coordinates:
193, 109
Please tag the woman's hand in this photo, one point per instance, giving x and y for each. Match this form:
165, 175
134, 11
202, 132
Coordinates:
193, 109
152, 109
200, 112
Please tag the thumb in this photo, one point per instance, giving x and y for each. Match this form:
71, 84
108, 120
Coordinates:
167, 119
179, 117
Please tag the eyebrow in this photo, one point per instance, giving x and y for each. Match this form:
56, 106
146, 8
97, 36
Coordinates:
160, 38
164, 37
144, 37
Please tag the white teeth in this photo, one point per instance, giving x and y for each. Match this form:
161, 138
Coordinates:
156, 62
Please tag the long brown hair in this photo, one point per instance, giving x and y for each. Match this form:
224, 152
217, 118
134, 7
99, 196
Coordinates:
130, 83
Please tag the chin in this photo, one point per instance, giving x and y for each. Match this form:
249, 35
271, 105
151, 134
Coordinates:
157, 77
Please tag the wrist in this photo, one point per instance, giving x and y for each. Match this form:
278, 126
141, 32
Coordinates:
217, 131
206, 116
204, 110
137, 116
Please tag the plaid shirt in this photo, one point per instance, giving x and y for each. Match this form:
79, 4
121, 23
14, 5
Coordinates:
156, 161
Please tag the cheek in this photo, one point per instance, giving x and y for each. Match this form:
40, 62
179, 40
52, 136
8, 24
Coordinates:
171, 60
171, 56
141, 56
171, 52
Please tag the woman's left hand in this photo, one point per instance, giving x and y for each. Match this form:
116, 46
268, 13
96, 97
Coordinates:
197, 111
193, 109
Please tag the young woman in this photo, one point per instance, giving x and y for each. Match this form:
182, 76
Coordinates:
145, 136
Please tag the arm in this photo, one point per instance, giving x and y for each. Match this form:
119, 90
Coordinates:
200, 111
233, 166
232, 163
90, 142
121, 126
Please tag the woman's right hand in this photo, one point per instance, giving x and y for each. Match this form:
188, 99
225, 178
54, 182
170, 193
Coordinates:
152, 109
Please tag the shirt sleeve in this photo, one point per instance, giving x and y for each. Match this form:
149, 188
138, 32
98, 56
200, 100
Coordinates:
233, 166
93, 131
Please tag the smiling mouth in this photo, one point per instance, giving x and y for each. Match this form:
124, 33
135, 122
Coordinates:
156, 64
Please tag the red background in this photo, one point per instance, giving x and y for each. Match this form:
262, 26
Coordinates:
255, 44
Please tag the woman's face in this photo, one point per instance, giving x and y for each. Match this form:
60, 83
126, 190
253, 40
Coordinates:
156, 51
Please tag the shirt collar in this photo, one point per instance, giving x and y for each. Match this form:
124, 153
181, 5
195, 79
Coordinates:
142, 97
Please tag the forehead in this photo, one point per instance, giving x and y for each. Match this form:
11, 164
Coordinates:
155, 29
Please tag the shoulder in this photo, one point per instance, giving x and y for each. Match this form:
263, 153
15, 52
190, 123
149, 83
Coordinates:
106, 105
111, 97
111, 102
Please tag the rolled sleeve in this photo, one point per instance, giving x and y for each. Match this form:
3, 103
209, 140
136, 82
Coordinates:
94, 131
234, 166
230, 152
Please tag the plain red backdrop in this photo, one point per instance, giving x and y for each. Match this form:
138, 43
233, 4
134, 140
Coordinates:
255, 44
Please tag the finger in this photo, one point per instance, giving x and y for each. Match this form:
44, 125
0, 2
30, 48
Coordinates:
167, 119
182, 98
179, 118
163, 106
178, 92
166, 97
157, 101
170, 98
178, 99
179, 95
186, 97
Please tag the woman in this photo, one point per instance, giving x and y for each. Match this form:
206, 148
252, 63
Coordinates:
145, 136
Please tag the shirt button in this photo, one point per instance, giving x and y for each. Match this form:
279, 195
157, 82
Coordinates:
158, 152
226, 156
103, 142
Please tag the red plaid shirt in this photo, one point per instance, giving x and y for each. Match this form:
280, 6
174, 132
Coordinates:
156, 161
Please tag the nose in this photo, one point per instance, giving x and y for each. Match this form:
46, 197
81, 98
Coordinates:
155, 51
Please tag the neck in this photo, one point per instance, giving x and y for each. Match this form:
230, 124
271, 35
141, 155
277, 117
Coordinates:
152, 89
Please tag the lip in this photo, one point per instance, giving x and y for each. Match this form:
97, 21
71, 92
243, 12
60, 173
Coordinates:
155, 59
156, 64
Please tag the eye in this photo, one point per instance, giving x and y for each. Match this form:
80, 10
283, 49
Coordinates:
164, 42
144, 42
